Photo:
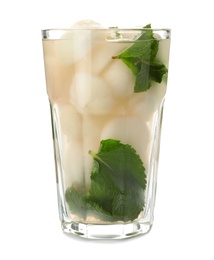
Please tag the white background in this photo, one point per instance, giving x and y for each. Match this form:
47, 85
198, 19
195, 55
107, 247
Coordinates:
184, 213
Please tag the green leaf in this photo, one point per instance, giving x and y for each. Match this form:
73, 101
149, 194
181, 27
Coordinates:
143, 82
157, 71
97, 211
80, 205
118, 183
144, 50
124, 206
133, 64
140, 58
120, 160
76, 201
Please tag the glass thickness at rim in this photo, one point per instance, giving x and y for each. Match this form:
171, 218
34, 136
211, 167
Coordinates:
56, 34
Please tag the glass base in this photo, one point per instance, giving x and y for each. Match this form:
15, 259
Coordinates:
109, 231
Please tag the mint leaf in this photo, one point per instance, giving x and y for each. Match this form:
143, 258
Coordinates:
76, 201
119, 160
133, 64
118, 182
157, 71
123, 204
80, 205
142, 82
145, 48
140, 58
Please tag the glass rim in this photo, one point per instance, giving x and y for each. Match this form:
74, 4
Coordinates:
59, 33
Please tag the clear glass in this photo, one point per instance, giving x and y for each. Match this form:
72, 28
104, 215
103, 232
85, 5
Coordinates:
106, 89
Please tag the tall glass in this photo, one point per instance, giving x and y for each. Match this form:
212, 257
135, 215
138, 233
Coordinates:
106, 89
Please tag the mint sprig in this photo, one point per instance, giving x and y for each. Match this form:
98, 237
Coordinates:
141, 59
118, 182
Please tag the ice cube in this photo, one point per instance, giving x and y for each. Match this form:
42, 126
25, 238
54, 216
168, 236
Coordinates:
72, 163
92, 127
102, 53
138, 105
120, 78
70, 121
163, 51
147, 103
86, 24
102, 106
96, 33
58, 77
86, 87
130, 130
70, 142
77, 42
73, 46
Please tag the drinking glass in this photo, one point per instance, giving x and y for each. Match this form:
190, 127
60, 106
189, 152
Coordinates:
106, 88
